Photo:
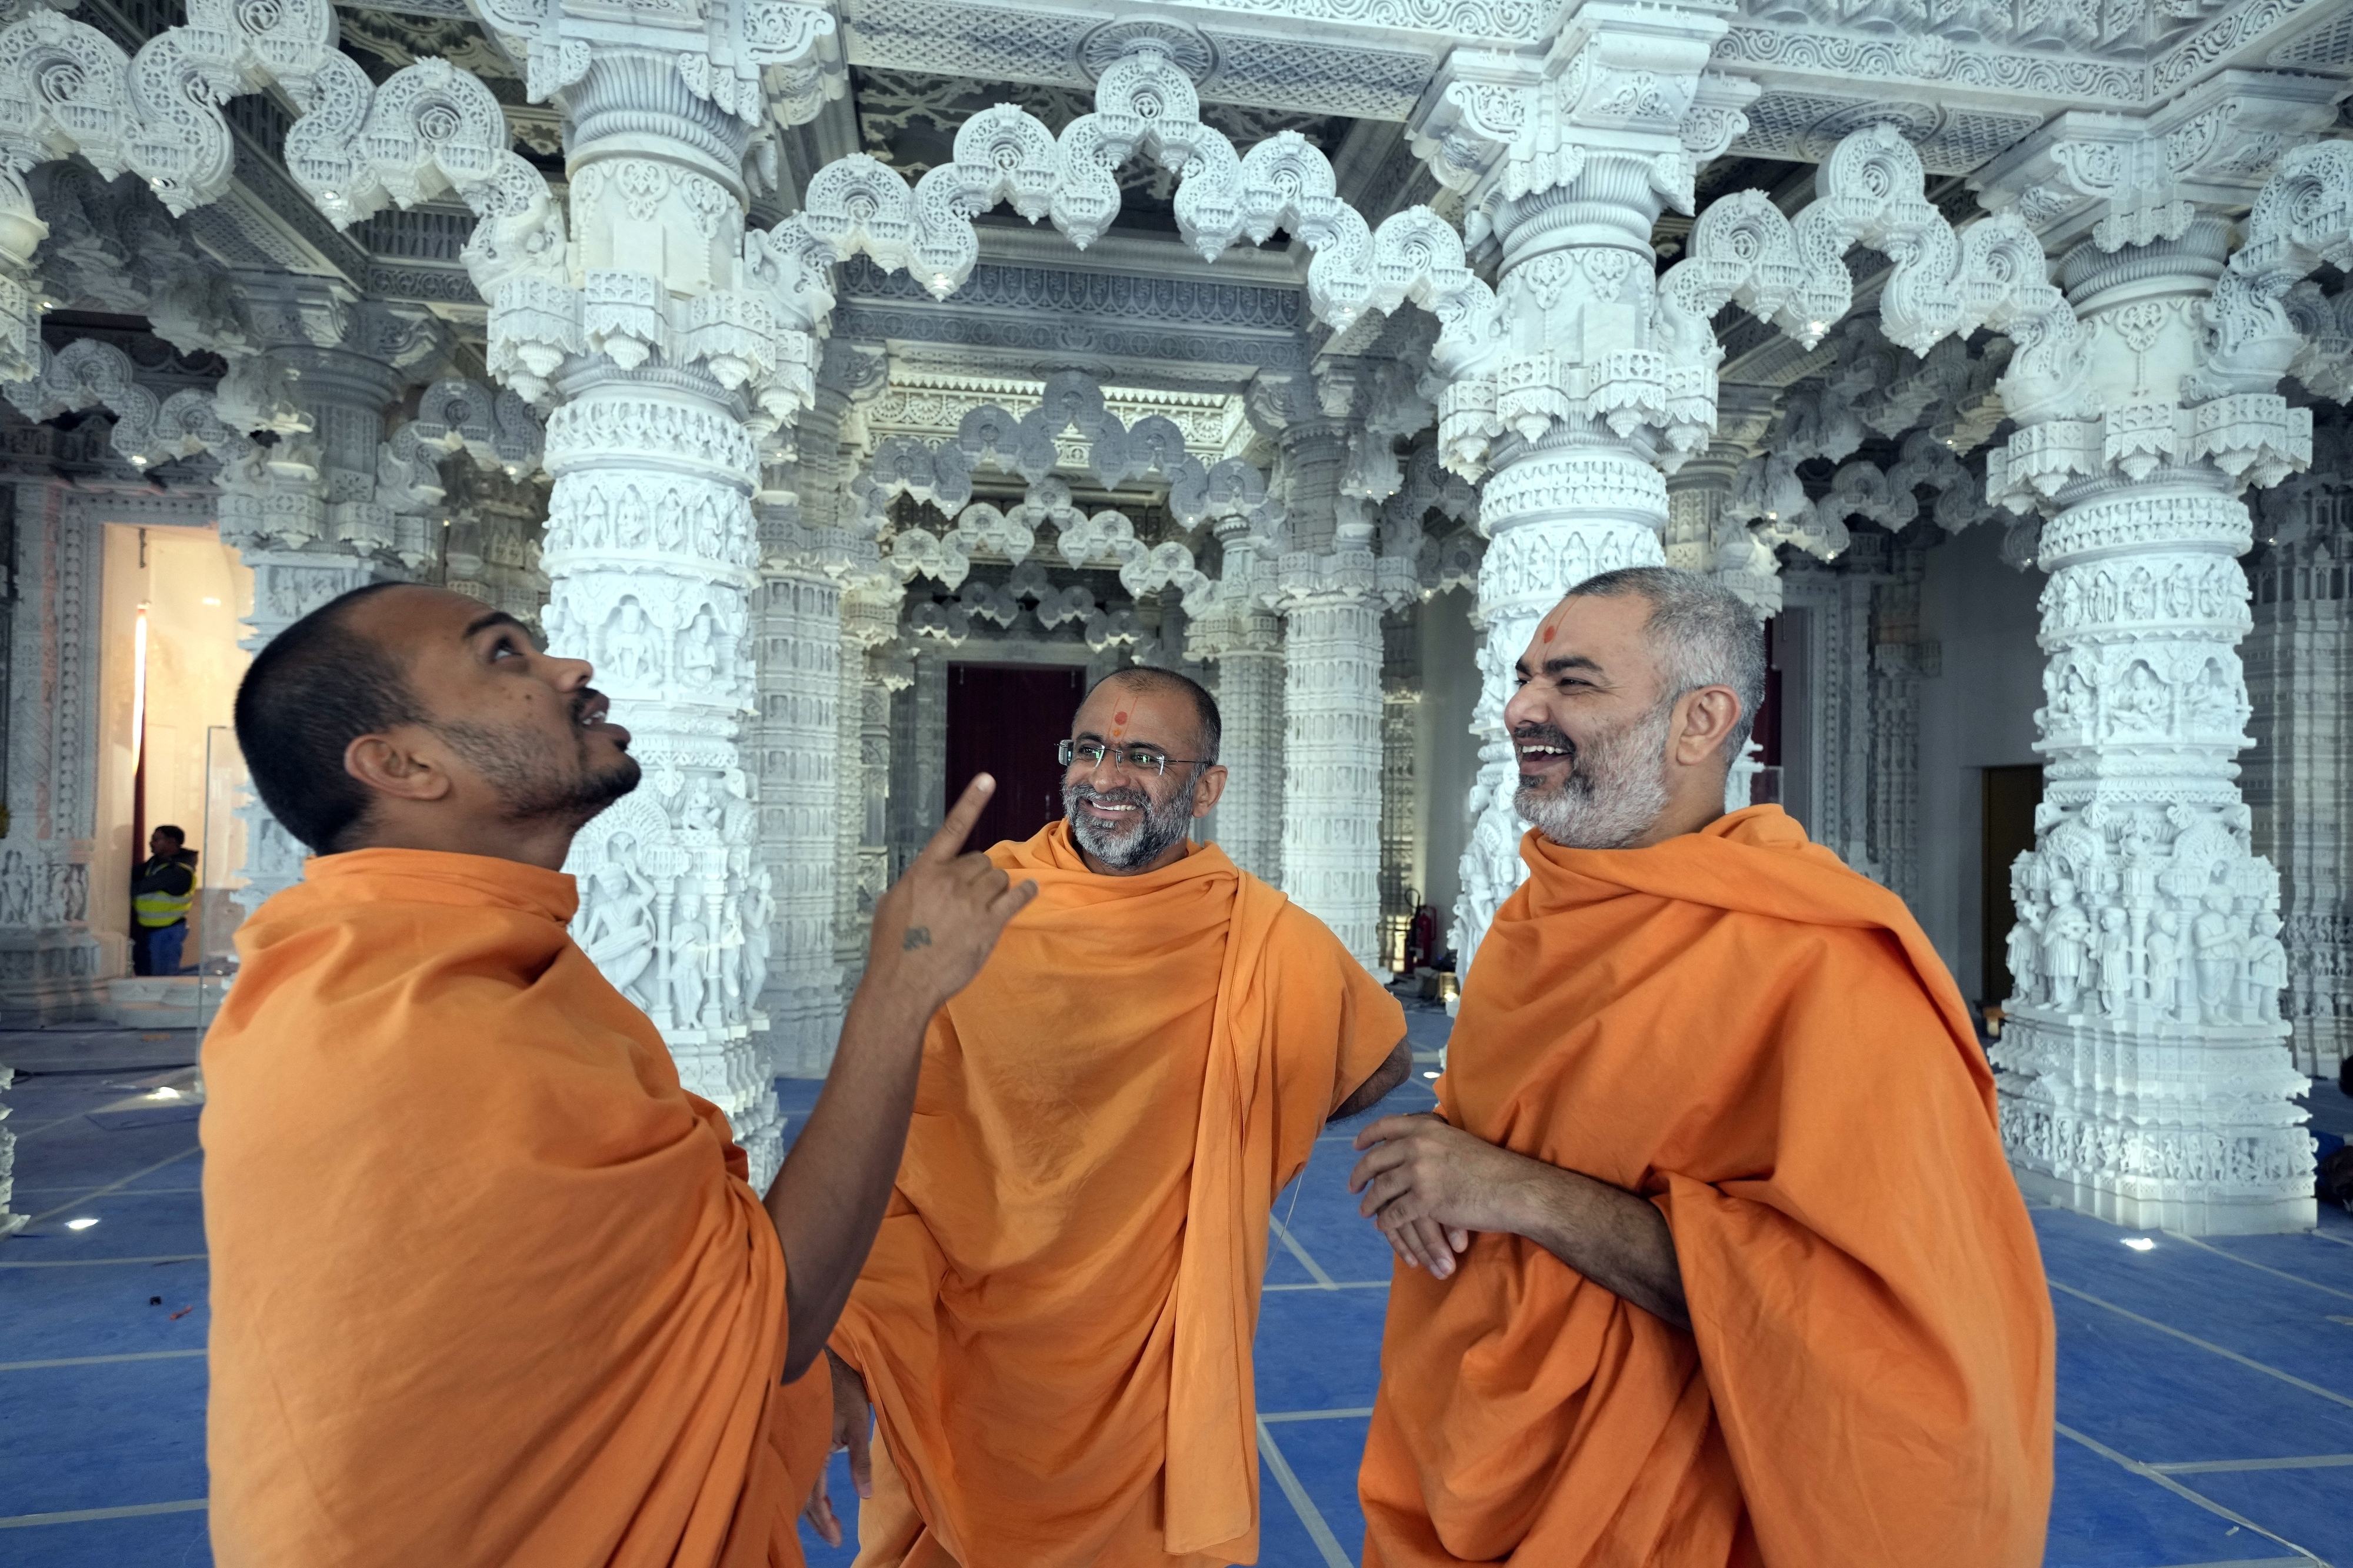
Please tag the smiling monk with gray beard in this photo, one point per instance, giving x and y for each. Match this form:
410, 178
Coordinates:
1055, 1324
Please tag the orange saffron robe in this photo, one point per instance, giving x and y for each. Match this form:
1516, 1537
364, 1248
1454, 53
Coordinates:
1762, 1043
1056, 1321
488, 1285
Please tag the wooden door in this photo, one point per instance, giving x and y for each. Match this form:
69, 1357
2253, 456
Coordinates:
1007, 719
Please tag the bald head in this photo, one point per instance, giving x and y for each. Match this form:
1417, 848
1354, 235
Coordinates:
1147, 680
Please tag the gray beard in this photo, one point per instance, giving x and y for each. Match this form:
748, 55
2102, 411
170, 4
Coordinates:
1157, 826
1616, 789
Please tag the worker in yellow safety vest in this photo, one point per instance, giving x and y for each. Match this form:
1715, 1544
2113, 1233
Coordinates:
160, 897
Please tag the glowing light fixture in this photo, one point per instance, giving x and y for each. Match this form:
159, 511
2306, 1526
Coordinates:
83, 1224
2140, 1244
166, 1092
1429, 1075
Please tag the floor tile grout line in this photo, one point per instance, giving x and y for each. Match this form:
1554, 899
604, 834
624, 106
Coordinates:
2169, 1484
2232, 1466
1315, 1414
23, 1191
102, 1262
111, 1186
1315, 1269
1302, 1504
99, 1360
2335, 1240
86, 1515
2264, 1267
2208, 1346
1334, 1285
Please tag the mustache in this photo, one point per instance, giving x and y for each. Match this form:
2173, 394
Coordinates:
1134, 797
1546, 735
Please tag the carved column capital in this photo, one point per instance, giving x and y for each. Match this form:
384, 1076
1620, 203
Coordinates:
2126, 180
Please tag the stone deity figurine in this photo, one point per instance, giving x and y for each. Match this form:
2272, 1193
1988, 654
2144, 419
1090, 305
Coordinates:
618, 933
2164, 962
2215, 937
2025, 947
688, 941
2116, 961
2067, 939
2266, 968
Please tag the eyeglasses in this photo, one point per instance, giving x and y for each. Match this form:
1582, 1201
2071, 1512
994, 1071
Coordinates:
1139, 759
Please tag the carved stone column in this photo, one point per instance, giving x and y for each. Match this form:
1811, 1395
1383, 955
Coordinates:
1244, 639
801, 692
1899, 660
2148, 1079
51, 964
1330, 594
1564, 164
2299, 777
1401, 813
1701, 538
653, 564
870, 622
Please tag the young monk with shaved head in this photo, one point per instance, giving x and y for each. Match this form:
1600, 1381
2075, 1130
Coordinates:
1711, 1256
489, 1288
1055, 1324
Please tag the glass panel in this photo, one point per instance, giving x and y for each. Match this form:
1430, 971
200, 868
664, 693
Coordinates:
219, 911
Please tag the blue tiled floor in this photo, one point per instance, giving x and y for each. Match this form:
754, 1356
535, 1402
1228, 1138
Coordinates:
2205, 1390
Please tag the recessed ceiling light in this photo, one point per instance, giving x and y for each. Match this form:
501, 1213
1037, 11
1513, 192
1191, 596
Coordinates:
2140, 1244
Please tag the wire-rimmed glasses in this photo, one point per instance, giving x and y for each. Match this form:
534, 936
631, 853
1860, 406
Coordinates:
1139, 759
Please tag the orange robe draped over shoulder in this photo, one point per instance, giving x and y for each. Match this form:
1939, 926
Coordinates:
1056, 1321
488, 1285
1762, 1042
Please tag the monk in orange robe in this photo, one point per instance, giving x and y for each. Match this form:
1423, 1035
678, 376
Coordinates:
489, 1288
1711, 1256
1055, 1324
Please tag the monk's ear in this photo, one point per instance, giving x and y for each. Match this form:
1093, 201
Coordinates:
1206, 788
389, 765
1704, 720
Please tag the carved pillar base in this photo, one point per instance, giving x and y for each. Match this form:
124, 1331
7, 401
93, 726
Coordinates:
56, 976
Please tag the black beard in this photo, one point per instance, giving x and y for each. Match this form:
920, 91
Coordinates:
1157, 826
528, 789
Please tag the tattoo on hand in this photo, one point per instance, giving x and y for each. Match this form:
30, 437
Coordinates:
917, 936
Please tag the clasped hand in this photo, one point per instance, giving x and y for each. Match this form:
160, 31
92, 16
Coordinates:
1428, 1186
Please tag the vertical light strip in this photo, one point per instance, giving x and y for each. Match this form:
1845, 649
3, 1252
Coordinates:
138, 686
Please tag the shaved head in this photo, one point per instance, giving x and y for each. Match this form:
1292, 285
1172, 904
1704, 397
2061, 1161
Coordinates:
1144, 678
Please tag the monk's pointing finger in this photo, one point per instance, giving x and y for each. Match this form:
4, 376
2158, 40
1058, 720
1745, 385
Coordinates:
960, 819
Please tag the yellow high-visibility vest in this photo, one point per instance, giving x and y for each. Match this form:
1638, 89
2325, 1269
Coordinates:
157, 910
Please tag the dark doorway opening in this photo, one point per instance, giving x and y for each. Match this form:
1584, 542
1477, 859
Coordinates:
2011, 794
1007, 719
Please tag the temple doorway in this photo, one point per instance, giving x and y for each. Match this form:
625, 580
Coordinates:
1005, 719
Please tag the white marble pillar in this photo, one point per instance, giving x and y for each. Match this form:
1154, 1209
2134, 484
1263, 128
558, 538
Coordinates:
2146, 1078
1332, 606
1243, 638
1401, 802
800, 682
870, 623
2299, 777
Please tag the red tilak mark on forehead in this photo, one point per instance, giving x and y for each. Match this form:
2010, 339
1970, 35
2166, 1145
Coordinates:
1545, 631
1119, 718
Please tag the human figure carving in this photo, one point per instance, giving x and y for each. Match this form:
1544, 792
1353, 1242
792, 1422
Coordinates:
2067, 937
2164, 962
628, 640
2116, 960
517, 1235
619, 932
2141, 704
2025, 951
2216, 938
689, 950
2266, 968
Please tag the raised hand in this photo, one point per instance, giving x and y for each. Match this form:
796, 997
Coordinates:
937, 924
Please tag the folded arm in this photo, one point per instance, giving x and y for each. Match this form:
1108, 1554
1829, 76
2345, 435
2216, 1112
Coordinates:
933, 931
1386, 1077
1429, 1185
